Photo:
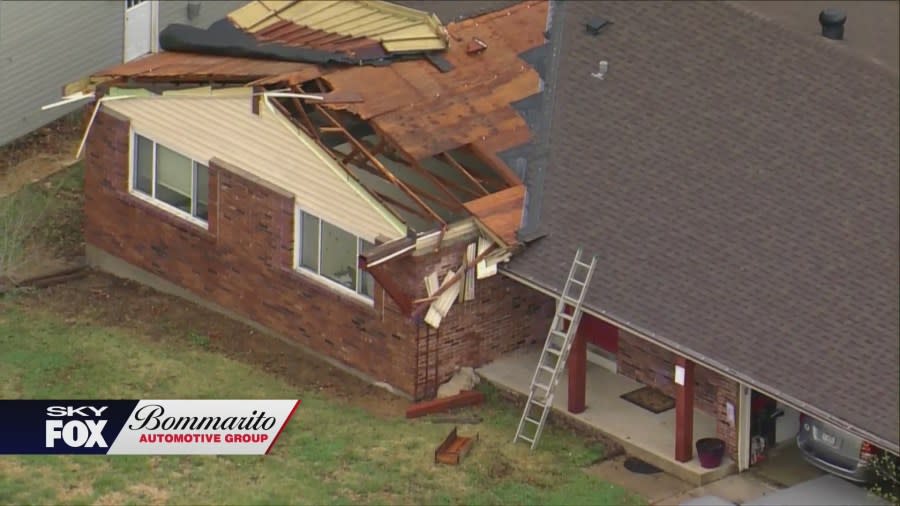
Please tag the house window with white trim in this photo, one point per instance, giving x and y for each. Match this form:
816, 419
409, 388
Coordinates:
171, 179
332, 253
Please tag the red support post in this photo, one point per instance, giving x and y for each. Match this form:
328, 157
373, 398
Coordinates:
684, 412
577, 364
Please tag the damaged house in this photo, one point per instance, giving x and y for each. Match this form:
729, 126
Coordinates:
341, 181
403, 191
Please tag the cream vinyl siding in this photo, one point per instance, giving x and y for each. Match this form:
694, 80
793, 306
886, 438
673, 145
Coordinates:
265, 145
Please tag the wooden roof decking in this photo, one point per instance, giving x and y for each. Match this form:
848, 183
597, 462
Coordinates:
191, 67
500, 213
426, 111
342, 25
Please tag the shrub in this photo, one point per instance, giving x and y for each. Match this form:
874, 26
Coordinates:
885, 480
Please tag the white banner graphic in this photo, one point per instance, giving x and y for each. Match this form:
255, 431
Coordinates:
203, 427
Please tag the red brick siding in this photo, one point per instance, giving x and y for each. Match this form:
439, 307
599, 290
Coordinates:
653, 365
244, 263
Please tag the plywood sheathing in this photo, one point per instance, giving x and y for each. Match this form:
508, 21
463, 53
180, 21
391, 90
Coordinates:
500, 213
427, 112
364, 26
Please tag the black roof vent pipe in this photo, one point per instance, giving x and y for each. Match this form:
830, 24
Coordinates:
832, 21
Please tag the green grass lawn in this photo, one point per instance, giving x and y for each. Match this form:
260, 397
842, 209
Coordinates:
330, 453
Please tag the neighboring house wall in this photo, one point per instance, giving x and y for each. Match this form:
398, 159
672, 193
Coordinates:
176, 11
46, 45
653, 365
244, 263
43, 46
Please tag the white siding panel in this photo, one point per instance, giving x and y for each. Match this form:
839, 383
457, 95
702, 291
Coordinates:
46, 45
206, 128
175, 11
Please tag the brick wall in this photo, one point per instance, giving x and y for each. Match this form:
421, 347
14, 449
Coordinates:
243, 262
655, 366
504, 316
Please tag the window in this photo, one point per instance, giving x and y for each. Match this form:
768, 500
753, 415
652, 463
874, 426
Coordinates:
332, 253
170, 178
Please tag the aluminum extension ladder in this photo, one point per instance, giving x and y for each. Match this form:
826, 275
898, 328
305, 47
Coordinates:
555, 352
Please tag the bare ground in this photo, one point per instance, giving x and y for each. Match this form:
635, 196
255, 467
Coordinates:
39, 154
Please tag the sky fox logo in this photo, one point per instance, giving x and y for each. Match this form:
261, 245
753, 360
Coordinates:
76, 433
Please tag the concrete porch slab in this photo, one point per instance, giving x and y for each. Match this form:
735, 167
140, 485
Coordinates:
642, 433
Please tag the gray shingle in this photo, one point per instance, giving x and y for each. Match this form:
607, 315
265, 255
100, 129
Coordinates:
449, 11
740, 185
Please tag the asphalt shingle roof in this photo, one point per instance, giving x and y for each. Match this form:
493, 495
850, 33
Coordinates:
739, 183
455, 10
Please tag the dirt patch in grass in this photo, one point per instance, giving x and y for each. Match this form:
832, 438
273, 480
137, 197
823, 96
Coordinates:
102, 299
39, 154
145, 494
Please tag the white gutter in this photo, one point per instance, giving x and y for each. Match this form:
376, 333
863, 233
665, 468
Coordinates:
721, 369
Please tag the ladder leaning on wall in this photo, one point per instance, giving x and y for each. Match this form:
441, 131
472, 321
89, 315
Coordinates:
555, 352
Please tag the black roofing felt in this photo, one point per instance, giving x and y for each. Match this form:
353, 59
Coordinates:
449, 11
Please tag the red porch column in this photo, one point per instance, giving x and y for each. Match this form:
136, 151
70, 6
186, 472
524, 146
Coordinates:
577, 364
684, 412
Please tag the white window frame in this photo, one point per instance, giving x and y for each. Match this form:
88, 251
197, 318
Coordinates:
151, 199
315, 275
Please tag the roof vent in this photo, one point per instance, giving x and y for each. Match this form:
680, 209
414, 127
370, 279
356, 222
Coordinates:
594, 26
832, 21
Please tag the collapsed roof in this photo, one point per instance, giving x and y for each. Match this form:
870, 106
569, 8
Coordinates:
421, 135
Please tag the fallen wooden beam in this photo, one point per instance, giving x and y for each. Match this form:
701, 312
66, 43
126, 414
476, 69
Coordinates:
45, 280
460, 400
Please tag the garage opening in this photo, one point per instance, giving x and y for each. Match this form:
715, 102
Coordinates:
772, 425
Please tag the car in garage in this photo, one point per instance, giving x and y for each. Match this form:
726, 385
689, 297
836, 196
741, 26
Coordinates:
835, 450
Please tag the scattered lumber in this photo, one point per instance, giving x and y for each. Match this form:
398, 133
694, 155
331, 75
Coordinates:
462, 399
45, 280
454, 448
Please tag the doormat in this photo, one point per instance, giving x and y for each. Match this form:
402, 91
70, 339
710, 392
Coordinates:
636, 465
650, 399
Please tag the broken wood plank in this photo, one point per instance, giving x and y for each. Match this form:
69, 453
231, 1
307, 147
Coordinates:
460, 400
431, 283
44, 280
453, 280
440, 307
470, 273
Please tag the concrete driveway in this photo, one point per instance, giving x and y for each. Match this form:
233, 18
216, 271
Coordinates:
822, 491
